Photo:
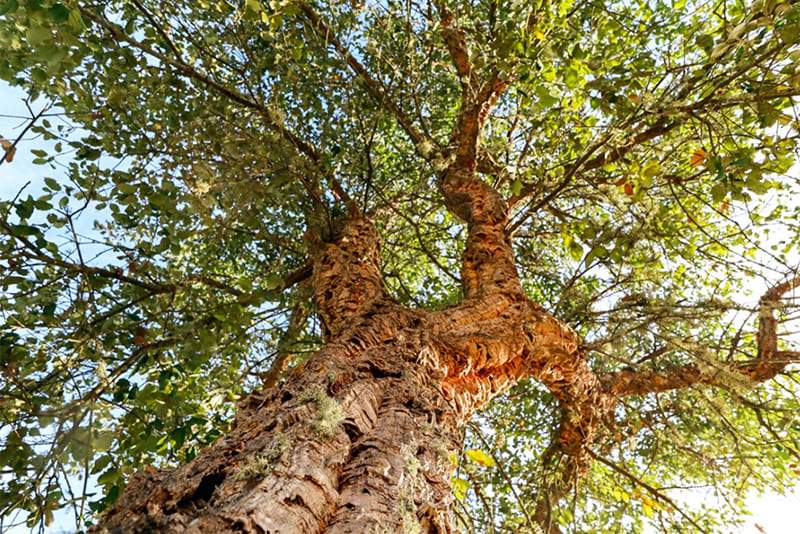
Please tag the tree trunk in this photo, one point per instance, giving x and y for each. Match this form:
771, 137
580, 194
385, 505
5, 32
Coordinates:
356, 440
359, 439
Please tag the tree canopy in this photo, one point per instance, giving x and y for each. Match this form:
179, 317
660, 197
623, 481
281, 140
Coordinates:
155, 272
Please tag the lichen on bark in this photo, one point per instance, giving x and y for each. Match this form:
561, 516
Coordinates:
329, 414
261, 465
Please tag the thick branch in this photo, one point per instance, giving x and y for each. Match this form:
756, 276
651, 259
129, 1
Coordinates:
456, 43
628, 383
475, 109
488, 262
767, 364
477, 98
497, 334
347, 280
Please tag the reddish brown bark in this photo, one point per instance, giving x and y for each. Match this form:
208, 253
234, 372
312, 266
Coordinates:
359, 437
347, 444
357, 440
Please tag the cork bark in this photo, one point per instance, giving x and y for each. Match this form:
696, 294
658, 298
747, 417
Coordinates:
358, 439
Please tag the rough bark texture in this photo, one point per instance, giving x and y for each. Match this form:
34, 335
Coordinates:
357, 440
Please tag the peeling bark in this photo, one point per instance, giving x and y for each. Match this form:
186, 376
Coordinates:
354, 441
358, 438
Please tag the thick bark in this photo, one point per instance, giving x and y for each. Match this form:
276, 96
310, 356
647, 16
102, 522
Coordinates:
355, 440
358, 439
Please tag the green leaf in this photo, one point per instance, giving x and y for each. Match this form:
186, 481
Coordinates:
651, 169
705, 41
9, 6
38, 75
110, 476
37, 35
103, 440
52, 184
58, 13
575, 250
480, 457
75, 21
253, 9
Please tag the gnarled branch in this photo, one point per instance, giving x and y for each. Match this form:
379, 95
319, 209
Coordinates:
768, 362
456, 43
347, 280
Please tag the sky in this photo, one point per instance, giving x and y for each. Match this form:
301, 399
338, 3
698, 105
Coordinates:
14, 175
771, 513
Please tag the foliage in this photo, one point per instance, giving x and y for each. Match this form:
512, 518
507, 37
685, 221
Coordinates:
147, 281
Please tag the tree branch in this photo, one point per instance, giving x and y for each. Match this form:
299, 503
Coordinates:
374, 87
10, 148
456, 43
297, 320
488, 263
662, 125
347, 279
650, 489
587, 163
154, 288
766, 365
303, 147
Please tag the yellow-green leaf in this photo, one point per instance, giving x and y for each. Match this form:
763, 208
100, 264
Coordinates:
651, 169
480, 457
460, 487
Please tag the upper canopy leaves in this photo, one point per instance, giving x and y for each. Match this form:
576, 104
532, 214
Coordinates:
644, 146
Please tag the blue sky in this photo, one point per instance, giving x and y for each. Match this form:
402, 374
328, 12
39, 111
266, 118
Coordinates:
14, 175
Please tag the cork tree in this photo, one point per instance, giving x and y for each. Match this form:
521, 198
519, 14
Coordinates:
399, 266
